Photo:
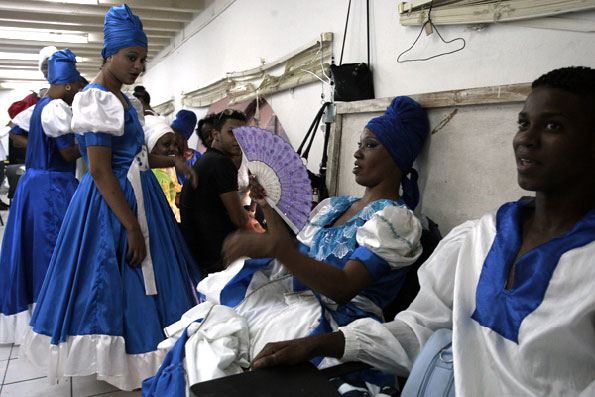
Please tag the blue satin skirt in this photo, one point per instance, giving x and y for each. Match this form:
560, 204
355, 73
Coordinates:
34, 220
90, 288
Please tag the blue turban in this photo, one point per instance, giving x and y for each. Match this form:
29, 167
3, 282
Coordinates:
402, 130
62, 69
122, 29
184, 123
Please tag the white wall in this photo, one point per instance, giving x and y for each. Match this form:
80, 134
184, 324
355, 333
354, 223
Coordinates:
250, 30
465, 168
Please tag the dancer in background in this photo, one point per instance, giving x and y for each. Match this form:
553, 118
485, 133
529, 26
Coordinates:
160, 140
144, 98
41, 198
183, 126
23, 108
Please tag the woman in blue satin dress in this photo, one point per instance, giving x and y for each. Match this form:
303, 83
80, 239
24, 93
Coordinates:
41, 199
120, 271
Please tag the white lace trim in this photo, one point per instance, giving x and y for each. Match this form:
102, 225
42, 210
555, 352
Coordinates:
13, 327
81, 355
307, 233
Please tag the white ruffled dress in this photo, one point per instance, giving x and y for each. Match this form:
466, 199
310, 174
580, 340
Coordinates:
271, 305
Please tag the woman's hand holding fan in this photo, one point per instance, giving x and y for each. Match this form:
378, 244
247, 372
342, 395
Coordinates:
280, 171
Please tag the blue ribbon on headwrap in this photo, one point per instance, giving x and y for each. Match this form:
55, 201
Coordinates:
62, 68
184, 123
122, 29
402, 130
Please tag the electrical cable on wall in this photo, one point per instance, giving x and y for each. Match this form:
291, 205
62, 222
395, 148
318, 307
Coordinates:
430, 27
329, 80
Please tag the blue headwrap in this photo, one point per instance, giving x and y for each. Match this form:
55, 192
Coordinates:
122, 29
62, 69
402, 130
184, 123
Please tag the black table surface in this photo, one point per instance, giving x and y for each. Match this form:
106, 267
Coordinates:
294, 381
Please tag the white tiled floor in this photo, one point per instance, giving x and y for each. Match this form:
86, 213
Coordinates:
19, 379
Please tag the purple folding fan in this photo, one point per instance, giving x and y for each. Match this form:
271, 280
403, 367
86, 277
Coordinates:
280, 171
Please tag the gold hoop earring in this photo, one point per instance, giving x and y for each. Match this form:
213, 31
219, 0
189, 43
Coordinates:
67, 88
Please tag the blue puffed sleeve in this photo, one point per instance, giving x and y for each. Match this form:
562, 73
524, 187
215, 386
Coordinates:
98, 139
377, 266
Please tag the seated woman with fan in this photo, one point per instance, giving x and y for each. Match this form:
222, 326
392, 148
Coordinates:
349, 260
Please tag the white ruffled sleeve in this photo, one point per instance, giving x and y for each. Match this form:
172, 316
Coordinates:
56, 117
95, 110
393, 234
23, 119
393, 346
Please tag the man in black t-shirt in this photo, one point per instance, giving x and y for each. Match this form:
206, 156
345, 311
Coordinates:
213, 210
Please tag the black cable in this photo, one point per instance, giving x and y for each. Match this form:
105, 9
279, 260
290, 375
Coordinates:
430, 10
368, 26
345, 33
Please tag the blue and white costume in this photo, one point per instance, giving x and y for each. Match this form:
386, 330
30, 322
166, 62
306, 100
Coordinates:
184, 123
40, 202
273, 305
39, 205
95, 313
535, 339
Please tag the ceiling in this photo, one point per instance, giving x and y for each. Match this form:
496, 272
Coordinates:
25, 25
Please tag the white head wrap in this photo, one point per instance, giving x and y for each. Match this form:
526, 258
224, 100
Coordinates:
45, 53
155, 127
